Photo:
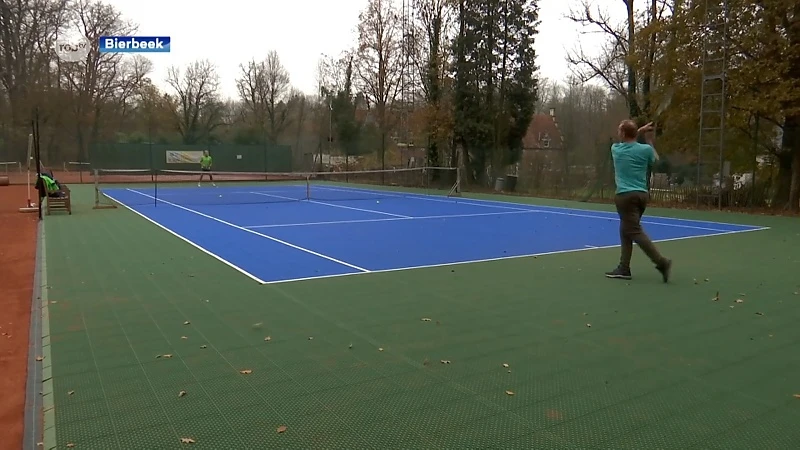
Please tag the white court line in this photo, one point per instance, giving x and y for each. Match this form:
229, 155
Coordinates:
185, 239
608, 215
393, 219
274, 239
399, 216
459, 263
590, 246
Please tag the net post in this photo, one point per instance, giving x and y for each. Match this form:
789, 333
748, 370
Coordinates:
308, 187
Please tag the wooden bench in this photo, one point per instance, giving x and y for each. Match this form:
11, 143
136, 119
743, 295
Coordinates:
63, 204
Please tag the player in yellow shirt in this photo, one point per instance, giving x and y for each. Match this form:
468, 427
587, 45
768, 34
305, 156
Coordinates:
205, 166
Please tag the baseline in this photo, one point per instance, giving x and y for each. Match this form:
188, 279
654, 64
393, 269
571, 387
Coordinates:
502, 258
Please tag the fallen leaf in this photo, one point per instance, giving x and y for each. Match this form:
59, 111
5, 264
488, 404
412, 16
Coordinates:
39, 358
585, 314
187, 441
203, 346
380, 349
70, 445
509, 392
796, 395
425, 319
707, 280
246, 372
759, 314
70, 392
509, 371
282, 429
258, 325
350, 346
167, 356
444, 361
738, 300
588, 325
53, 302
716, 297
181, 393
311, 338
696, 282
187, 322
268, 338
731, 306
184, 337
505, 365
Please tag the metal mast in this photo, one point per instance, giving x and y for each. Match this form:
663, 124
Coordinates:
404, 135
711, 167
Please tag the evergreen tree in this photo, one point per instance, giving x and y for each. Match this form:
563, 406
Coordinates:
495, 82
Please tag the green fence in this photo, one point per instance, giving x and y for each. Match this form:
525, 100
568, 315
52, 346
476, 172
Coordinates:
227, 158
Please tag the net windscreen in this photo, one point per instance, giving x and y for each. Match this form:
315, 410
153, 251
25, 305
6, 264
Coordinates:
186, 188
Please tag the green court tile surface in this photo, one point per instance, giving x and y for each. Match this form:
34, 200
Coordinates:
662, 366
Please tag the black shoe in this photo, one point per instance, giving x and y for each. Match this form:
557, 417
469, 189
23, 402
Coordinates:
665, 268
620, 272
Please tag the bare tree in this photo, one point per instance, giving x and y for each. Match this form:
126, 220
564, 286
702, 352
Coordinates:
196, 106
264, 87
98, 81
27, 30
378, 63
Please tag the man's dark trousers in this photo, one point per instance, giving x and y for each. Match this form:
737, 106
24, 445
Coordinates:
631, 207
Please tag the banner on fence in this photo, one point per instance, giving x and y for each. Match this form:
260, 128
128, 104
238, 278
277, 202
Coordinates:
183, 156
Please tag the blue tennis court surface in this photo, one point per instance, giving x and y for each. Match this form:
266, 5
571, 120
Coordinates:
272, 236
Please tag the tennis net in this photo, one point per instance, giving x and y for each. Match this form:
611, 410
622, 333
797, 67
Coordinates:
185, 188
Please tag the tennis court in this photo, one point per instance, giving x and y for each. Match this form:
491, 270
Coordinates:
272, 234
182, 319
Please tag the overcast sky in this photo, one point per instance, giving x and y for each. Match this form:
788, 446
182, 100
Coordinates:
232, 32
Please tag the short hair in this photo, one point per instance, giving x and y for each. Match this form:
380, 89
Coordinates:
629, 129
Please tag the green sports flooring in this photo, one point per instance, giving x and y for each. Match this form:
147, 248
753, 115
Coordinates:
662, 366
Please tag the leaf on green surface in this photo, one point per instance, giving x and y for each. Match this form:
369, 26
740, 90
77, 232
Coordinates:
510, 393
258, 325
311, 338
796, 395
70, 445
759, 314
203, 346
738, 300
181, 394
282, 429
70, 392
268, 338
380, 349
445, 361
588, 325
425, 319
40, 358
185, 440
246, 372
167, 356
187, 322
505, 365
184, 337
716, 297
